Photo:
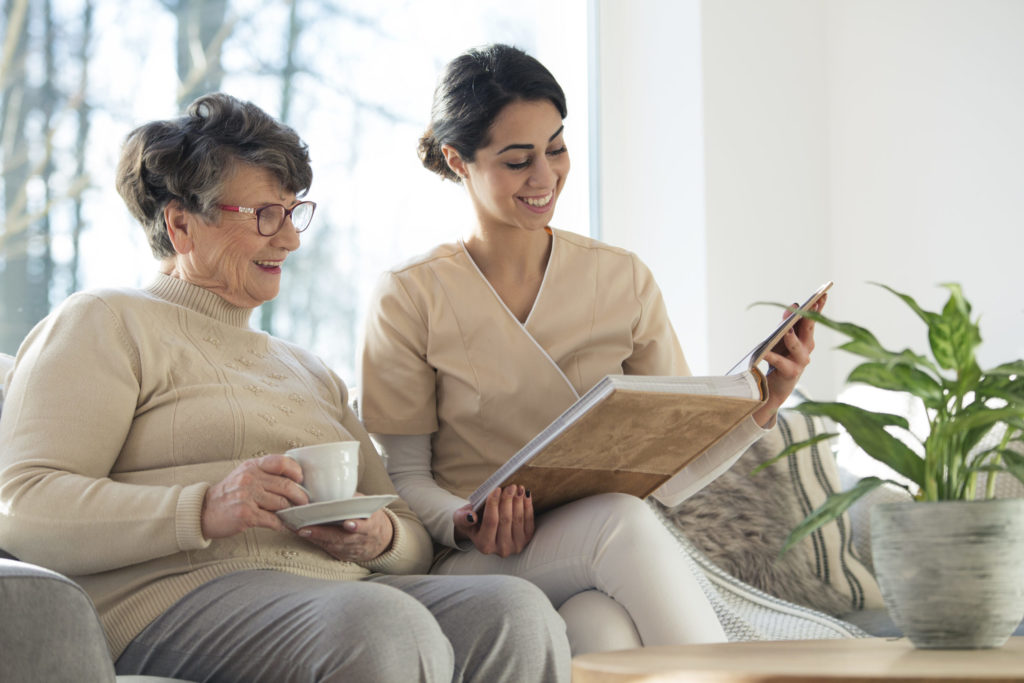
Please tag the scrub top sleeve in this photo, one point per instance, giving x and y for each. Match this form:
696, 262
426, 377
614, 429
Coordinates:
397, 384
710, 465
656, 349
408, 461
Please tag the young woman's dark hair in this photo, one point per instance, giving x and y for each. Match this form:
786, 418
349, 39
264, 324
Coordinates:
472, 91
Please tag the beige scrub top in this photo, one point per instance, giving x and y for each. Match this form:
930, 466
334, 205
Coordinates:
443, 355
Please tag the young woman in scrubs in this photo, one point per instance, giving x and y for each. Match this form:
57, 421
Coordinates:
476, 346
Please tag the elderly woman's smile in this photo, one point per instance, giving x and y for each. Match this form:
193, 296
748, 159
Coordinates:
270, 266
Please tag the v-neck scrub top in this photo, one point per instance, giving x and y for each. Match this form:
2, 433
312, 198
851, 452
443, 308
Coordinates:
443, 355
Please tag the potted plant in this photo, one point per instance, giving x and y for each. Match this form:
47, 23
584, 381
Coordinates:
949, 539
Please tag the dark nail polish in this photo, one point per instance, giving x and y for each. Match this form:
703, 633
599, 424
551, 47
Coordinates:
527, 493
470, 519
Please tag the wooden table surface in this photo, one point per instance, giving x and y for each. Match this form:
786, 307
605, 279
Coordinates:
851, 660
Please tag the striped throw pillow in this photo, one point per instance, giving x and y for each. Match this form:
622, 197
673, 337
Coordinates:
741, 520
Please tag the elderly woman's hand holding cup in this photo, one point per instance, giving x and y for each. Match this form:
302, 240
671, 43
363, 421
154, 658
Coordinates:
330, 472
255, 490
251, 494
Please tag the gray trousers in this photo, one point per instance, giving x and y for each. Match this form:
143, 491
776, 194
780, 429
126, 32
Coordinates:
256, 626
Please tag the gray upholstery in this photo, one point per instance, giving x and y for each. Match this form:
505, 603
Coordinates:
49, 630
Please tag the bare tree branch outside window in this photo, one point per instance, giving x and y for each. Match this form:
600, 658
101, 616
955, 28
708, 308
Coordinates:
355, 80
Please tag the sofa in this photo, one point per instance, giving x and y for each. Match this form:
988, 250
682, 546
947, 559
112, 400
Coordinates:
732, 532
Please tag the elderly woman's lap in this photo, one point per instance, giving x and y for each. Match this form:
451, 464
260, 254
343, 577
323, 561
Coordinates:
271, 626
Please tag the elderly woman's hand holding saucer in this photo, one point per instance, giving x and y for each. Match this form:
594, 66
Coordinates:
353, 540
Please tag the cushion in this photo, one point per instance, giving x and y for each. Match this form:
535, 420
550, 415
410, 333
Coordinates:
740, 521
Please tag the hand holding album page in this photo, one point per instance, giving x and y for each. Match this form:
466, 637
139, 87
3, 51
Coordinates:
757, 353
632, 433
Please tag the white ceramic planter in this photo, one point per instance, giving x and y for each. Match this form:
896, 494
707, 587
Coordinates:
952, 572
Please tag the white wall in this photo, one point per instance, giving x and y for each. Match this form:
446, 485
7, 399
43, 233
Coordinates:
766, 164
851, 140
927, 162
650, 156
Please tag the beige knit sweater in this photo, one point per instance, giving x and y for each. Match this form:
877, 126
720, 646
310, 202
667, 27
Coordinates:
123, 407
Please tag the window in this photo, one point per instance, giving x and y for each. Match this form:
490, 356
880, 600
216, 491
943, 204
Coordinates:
355, 80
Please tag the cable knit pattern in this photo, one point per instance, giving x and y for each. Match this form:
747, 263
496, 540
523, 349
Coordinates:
124, 407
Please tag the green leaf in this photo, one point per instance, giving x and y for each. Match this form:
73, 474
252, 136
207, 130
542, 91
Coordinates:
1019, 425
953, 337
1012, 368
997, 469
956, 297
791, 449
926, 316
1014, 464
981, 416
973, 437
868, 430
982, 462
833, 507
1008, 386
968, 377
899, 377
862, 341
854, 332
891, 358
866, 350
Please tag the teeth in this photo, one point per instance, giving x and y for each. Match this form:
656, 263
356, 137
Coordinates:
268, 264
539, 201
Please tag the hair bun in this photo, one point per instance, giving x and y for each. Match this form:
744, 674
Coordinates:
430, 154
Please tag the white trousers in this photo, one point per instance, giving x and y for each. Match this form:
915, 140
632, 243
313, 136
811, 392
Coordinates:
615, 544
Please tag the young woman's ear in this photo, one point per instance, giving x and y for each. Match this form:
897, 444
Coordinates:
178, 223
454, 161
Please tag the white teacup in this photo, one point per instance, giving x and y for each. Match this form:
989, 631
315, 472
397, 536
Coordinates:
330, 471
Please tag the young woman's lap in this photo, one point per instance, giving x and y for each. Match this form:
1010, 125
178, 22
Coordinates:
613, 543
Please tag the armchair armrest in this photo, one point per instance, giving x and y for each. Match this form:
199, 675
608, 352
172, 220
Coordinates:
49, 630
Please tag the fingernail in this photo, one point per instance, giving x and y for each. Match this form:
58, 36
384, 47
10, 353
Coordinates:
470, 519
527, 493
306, 533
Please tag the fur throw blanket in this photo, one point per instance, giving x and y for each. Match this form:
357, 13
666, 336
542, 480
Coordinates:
740, 521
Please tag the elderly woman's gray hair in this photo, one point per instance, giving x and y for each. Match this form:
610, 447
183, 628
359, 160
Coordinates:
188, 159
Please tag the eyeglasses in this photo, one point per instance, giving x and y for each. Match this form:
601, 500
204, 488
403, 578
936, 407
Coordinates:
270, 218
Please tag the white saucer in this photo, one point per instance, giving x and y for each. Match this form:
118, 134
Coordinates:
359, 507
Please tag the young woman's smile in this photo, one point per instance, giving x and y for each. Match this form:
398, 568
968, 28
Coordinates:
539, 204
516, 178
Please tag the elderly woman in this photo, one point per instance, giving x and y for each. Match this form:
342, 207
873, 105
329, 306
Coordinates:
142, 440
